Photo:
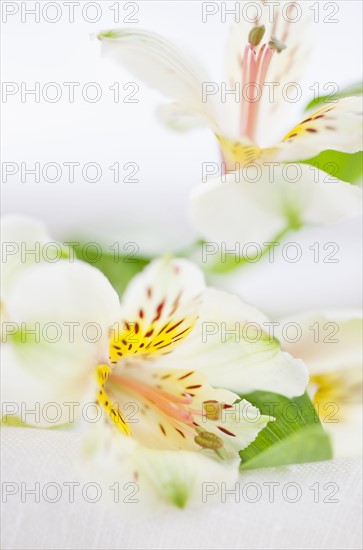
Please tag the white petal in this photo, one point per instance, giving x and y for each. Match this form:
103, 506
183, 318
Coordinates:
27, 398
152, 425
336, 126
179, 118
238, 426
231, 213
163, 278
161, 65
179, 477
290, 25
70, 306
329, 341
177, 284
231, 345
21, 240
325, 200
267, 199
160, 306
159, 478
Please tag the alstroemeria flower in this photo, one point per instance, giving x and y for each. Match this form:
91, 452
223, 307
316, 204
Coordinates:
177, 345
176, 352
331, 346
261, 62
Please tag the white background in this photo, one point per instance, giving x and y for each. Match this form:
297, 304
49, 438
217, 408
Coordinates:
153, 211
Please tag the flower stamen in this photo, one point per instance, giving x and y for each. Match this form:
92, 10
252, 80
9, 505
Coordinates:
254, 72
173, 406
208, 440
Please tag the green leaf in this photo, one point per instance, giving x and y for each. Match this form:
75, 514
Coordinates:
118, 269
344, 166
295, 437
355, 89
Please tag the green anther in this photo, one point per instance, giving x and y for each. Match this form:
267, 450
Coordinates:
208, 440
276, 44
256, 34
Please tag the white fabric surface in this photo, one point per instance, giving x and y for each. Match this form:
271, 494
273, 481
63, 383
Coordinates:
51, 456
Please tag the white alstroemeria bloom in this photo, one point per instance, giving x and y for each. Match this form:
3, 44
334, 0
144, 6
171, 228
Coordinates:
157, 376
55, 319
261, 62
178, 344
331, 346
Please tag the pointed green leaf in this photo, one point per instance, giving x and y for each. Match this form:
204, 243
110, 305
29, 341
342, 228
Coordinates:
344, 166
296, 436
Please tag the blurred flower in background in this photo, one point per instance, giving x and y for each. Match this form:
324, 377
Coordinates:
108, 132
266, 198
331, 346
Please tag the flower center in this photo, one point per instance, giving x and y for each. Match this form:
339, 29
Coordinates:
255, 64
336, 389
236, 154
175, 407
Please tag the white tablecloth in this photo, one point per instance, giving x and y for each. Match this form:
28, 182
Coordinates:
31, 456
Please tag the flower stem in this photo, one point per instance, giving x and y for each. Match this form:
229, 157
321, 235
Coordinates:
233, 262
